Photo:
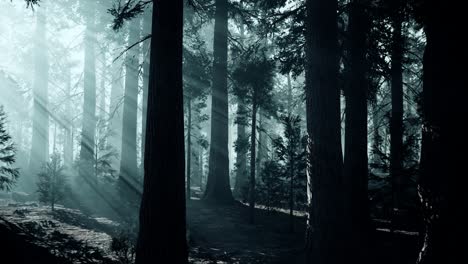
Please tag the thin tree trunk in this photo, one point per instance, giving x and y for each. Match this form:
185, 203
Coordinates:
252, 163
218, 186
68, 146
128, 182
189, 148
116, 107
325, 162
40, 122
396, 121
291, 194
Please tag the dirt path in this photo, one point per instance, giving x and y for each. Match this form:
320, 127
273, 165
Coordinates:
223, 234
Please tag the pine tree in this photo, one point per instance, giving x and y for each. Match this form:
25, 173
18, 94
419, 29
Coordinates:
253, 76
52, 184
8, 174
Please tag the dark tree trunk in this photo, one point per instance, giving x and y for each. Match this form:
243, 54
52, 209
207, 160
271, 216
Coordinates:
355, 156
325, 159
253, 143
162, 237
40, 122
189, 148
396, 120
291, 193
128, 182
444, 107
146, 51
218, 187
89, 105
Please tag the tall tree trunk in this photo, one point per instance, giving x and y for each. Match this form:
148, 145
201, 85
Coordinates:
444, 107
396, 120
241, 157
291, 193
89, 105
162, 238
40, 126
189, 148
116, 107
252, 180
128, 182
218, 187
262, 141
325, 159
68, 130
241, 154
290, 96
355, 157
146, 29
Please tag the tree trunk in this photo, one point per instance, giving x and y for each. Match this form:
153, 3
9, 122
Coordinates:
146, 51
116, 108
128, 182
68, 144
162, 237
355, 156
89, 104
252, 163
291, 193
40, 123
396, 121
241, 172
189, 147
325, 161
218, 187
444, 107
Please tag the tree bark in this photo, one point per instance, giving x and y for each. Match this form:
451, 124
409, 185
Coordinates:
128, 183
241, 161
218, 187
252, 180
162, 237
355, 156
325, 161
396, 120
146, 51
40, 122
68, 144
189, 148
444, 107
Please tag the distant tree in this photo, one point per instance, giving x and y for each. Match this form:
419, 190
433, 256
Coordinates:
291, 153
88, 126
104, 153
128, 182
52, 184
253, 76
40, 117
196, 70
218, 186
8, 174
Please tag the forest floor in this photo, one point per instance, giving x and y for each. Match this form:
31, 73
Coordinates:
217, 234
224, 234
